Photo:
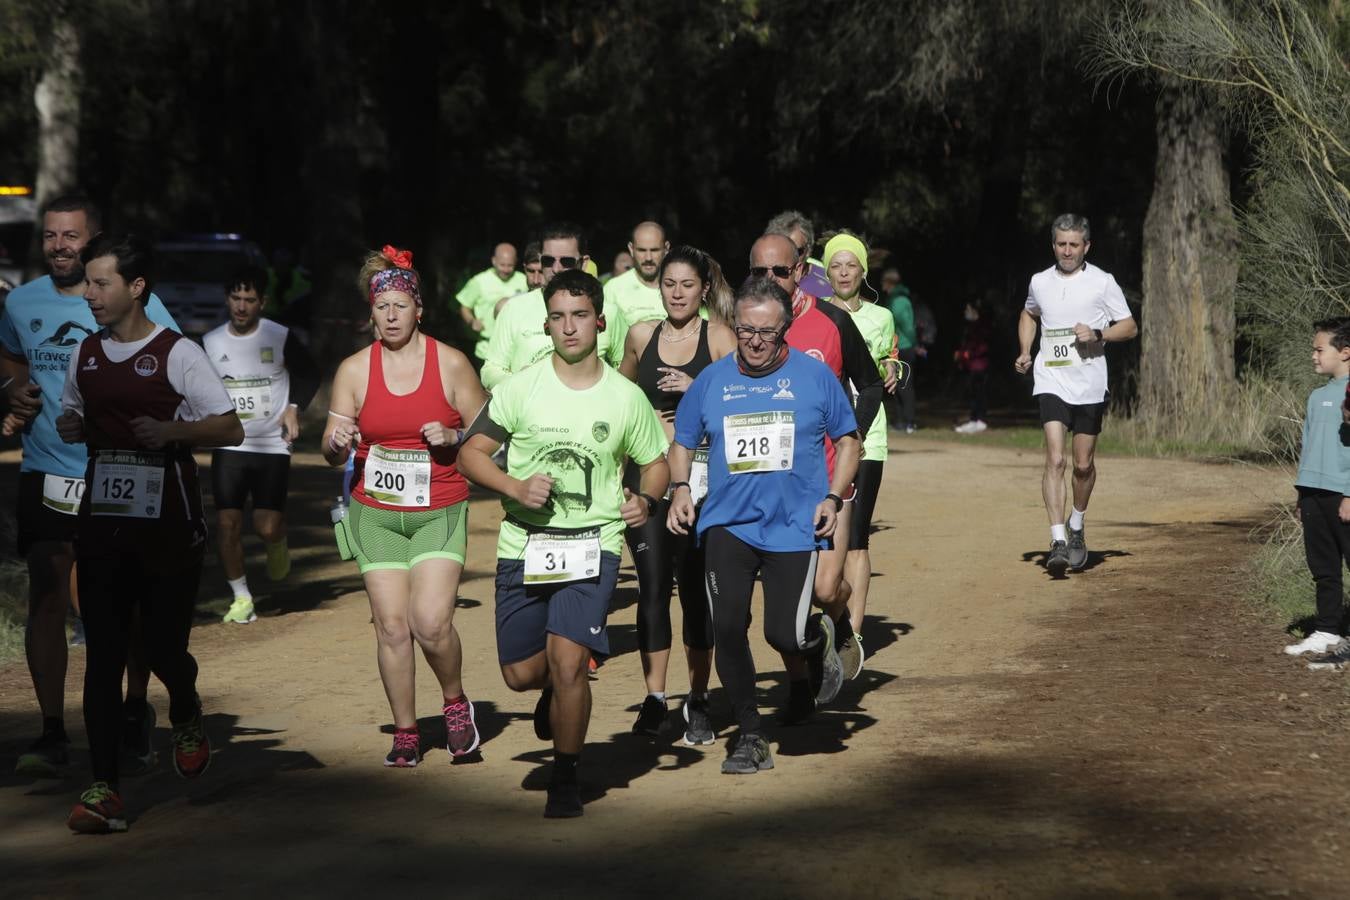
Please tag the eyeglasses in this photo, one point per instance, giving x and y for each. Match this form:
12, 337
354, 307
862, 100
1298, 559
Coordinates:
767, 335
778, 271
567, 262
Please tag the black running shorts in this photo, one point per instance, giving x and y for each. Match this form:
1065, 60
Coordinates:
235, 474
1080, 418
39, 521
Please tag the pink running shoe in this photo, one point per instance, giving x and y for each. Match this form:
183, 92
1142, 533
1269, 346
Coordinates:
407, 751
461, 734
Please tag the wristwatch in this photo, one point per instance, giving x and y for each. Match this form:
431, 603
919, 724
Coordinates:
1100, 338
838, 501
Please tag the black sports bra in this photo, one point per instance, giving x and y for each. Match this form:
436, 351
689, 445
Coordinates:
664, 402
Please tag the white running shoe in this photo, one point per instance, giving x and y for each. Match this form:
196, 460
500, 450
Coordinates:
1317, 642
963, 428
976, 426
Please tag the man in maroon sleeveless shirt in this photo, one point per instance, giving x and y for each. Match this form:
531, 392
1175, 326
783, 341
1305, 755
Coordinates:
141, 398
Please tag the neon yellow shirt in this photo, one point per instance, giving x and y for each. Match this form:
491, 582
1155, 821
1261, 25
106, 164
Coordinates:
518, 340
580, 439
480, 295
630, 296
877, 327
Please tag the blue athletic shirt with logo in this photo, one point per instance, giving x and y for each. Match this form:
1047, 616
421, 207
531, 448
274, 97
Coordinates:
770, 510
45, 326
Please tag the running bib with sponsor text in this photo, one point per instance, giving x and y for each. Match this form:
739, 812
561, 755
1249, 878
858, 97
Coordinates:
399, 477
557, 558
698, 476
252, 397
62, 494
1059, 348
127, 483
759, 442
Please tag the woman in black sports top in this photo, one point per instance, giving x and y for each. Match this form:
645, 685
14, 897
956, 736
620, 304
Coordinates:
663, 357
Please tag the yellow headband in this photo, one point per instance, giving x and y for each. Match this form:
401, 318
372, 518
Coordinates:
846, 242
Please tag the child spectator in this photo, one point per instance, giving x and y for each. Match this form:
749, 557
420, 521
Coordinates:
972, 357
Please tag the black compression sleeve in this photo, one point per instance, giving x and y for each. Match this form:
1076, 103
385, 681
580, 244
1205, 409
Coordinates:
304, 372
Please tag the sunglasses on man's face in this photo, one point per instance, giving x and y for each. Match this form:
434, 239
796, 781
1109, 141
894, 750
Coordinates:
567, 262
778, 271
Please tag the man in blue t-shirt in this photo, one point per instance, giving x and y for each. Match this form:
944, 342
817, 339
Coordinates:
41, 324
771, 506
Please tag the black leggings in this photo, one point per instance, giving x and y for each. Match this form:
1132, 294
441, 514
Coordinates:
787, 578
661, 558
111, 588
866, 484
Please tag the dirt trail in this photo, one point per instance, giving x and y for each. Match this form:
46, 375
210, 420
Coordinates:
1129, 730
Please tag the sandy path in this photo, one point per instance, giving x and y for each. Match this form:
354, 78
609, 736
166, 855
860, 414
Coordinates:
933, 775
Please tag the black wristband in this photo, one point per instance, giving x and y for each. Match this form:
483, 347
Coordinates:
679, 484
838, 501
651, 503
1101, 339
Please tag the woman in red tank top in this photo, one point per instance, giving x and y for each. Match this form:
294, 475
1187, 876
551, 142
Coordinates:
402, 403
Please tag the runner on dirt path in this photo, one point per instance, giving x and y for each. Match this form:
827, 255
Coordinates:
571, 422
765, 412
1080, 309
796, 227
402, 402
663, 358
826, 333
480, 295
271, 378
518, 339
141, 398
846, 266
42, 322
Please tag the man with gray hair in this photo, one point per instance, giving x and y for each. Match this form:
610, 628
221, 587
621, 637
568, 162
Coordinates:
1079, 309
796, 227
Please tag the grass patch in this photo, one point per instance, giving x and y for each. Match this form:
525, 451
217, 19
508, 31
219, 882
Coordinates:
1117, 439
1279, 573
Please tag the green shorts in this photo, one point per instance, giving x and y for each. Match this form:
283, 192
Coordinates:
386, 539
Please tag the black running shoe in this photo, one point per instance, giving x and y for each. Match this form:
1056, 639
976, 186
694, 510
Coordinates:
1057, 561
45, 757
750, 756
651, 718
564, 801
1078, 552
543, 727
697, 723
138, 756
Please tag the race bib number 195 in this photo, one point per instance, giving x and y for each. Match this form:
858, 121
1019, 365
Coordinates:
252, 397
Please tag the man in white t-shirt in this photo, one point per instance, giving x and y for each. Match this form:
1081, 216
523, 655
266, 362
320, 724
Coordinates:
271, 378
1080, 309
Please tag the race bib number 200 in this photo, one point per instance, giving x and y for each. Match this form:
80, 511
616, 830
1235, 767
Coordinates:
759, 442
127, 483
398, 477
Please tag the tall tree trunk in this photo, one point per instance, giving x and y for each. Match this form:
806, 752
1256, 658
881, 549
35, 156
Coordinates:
330, 174
57, 100
1188, 325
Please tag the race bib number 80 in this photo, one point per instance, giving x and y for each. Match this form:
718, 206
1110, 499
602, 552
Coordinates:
1059, 348
759, 442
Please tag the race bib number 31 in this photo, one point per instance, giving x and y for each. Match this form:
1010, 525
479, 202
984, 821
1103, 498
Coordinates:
759, 442
1059, 348
557, 558
398, 477
127, 483
252, 397
62, 494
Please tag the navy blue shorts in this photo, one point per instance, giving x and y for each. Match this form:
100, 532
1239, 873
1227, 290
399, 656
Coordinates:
575, 610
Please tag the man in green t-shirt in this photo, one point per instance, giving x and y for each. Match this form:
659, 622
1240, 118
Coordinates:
635, 293
571, 422
480, 294
518, 338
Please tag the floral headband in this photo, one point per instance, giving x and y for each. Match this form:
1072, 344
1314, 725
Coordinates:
402, 278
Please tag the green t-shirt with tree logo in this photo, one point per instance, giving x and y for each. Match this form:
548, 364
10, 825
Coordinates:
581, 440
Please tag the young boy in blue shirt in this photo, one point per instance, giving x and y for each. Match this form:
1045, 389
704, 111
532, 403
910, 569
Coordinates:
1323, 484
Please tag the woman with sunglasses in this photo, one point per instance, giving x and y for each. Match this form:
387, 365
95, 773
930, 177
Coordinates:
403, 402
663, 357
846, 268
